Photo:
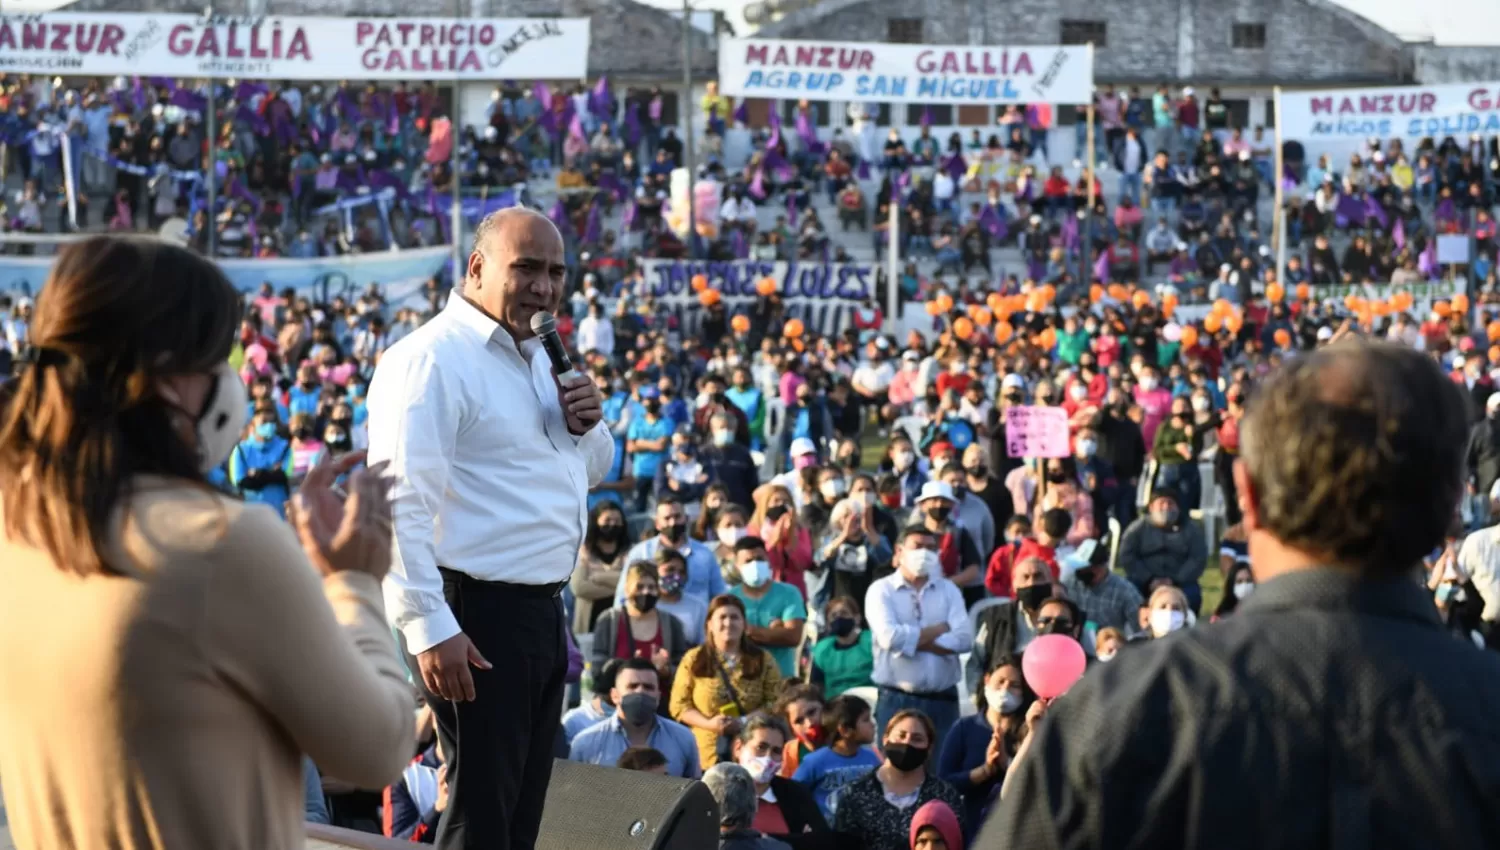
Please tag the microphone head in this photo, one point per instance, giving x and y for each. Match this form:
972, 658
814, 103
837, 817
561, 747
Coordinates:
542, 323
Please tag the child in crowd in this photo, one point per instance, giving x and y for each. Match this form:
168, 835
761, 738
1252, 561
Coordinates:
844, 659
849, 729
1051, 534
801, 706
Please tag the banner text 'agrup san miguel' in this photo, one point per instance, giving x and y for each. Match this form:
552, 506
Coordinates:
1405, 112
904, 73
288, 48
823, 295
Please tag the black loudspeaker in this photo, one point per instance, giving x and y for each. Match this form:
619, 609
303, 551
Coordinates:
605, 808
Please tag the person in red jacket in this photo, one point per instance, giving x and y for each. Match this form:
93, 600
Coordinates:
1042, 545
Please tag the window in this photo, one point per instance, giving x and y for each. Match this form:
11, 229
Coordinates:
1249, 36
904, 30
974, 116
818, 108
1085, 32
942, 114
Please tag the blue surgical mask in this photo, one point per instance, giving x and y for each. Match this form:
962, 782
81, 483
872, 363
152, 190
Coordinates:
723, 438
756, 573
265, 430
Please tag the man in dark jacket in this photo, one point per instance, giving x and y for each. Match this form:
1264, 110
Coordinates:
1333, 693
1123, 448
1483, 457
728, 462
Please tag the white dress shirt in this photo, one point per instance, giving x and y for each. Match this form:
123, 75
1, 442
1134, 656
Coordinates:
488, 480
596, 334
897, 613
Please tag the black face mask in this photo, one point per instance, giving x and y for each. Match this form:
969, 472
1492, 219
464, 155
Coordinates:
940, 514
1031, 598
614, 533
905, 757
851, 462
644, 601
653, 407
1056, 477
673, 532
978, 471
842, 626
775, 513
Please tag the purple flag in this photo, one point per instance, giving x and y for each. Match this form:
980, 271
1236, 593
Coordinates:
758, 184
601, 103
559, 216
1070, 232
742, 112
188, 100
1398, 235
1446, 212
654, 110
543, 96
775, 141
926, 116
381, 179
1427, 263
575, 128
610, 182
1101, 267
738, 245
627, 220
993, 223
245, 91
864, 169
902, 181
138, 93
783, 170
805, 128
593, 228
633, 125
955, 166
1374, 210
1349, 210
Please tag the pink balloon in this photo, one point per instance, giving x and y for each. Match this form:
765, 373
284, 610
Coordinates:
1052, 663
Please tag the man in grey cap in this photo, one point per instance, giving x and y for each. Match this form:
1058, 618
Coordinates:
734, 791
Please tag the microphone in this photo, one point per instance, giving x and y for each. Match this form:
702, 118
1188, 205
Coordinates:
545, 328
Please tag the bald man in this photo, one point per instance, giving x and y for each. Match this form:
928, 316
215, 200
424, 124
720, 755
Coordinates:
493, 458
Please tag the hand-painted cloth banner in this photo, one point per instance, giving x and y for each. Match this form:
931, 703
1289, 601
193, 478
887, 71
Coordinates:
904, 73
823, 295
287, 48
400, 274
1032, 431
1405, 112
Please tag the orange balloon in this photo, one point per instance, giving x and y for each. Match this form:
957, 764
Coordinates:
1212, 322
740, 324
1222, 308
1049, 338
934, 308
797, 346
700, 282
765, 286
945, 303
1495, 354
1442, 308
1304, 292
1283, 338
709, 297
1140, 299
1003, 330
1117, 291
1234, 322
1096, 292
792, 329
1492, 330
1275, 293
1036, 302
1049, 292
1461, 303
996, 302
963, 327
983, 317
1189, 336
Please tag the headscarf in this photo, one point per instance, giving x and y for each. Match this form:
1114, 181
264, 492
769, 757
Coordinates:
936, 814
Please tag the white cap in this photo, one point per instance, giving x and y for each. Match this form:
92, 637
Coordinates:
936, 490
1325, 333
803, 446
1013, 382
1187, 92
1492, 402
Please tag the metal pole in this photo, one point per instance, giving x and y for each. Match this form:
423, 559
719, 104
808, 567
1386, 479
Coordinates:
1277, 217
893, 262
687, 127
1086, 256
211, 178
455, 164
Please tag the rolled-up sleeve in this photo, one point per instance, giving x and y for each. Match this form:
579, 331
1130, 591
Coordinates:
415, 414
890, 635
598, 450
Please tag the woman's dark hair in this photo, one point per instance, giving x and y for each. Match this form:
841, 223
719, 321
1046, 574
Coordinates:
117, 315
753, 659
1027, 696
1355, 454
591, 534
708, 520
843, 712
1228, 602
641, 758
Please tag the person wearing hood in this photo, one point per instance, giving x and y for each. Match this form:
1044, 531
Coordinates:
1164, 547
935, 827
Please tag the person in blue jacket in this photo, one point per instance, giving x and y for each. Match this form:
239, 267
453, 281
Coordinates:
260, 466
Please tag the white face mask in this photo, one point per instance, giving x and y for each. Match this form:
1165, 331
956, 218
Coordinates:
866, 498
761, 768
903, 460
218, 427
1200, 404
756, 573
1003, 699
832, 489
919, 563
1164, 621
1243, 589
730, 536
1079, 392
1148, 384
723, 438
1106, 656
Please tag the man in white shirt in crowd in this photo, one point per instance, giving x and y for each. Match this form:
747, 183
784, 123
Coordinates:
919, 626
738, 211
704, 580
872, 380
492, 456
943, 189
635, 723
596, 332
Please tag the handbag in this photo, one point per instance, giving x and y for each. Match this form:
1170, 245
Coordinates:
724, 746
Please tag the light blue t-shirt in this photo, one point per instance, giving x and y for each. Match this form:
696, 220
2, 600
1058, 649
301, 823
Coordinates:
605, 741
782, 602
826, 773
644, 464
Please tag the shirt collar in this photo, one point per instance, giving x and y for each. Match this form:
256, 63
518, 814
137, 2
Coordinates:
1332, 589
472, 319
769, 796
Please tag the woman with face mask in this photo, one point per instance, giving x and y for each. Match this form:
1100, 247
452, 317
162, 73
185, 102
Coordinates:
156, 592
844, 658
307, 450
977, 751
855, 544
1166, 612
732, 525
1239, 583
639, 629
600, 560
1179, 442
788, 543
786, 808
877, 809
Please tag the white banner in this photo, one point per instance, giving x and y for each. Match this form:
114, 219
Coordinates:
1404, 112
904, 73
285, 48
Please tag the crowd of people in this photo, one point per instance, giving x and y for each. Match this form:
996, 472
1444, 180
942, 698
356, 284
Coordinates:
804, 535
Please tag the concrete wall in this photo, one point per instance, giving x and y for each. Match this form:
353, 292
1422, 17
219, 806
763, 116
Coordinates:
1456, 64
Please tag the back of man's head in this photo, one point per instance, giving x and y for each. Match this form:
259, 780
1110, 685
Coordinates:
734, 791
1353, 454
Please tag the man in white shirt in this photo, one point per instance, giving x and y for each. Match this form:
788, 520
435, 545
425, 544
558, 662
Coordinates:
919, 626
492, 458
943, 189
596, 332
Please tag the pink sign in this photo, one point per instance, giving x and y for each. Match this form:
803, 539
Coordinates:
1036, 432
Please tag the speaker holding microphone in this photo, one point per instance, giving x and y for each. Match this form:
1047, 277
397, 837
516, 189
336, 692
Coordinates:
606, 808
545, 327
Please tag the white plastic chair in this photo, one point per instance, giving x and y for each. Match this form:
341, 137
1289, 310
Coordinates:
1114, 542
868, 693
979, 608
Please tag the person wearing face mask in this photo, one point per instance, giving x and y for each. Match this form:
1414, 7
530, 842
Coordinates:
844, 658
985, 487
647, 440
1123, 447
704, 580
636, 696
601, 559
124, 403
1166, 612
919, 625
743, 394
303, 397
902, 462
1003, 630
731, 527
786, 809
728, 462
1154, 399
978, 750
1109, 599
877, 810
774, 610
817, 509
714, 392
958, 547
682, 476
260, 465
671, 577
1165, 547
1239, 583
597, 707
788, 542
1095, 476
855, 545
639, 629
1179, 442
807, 423
307, 450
